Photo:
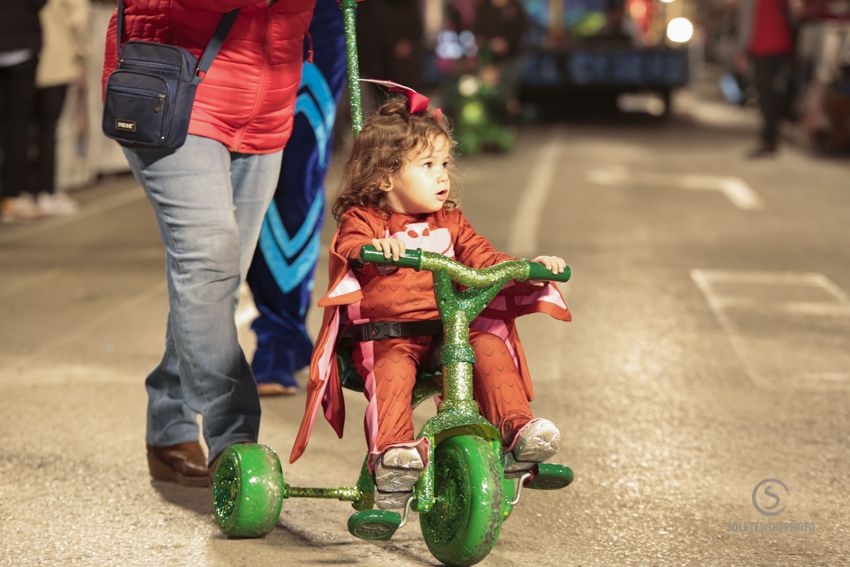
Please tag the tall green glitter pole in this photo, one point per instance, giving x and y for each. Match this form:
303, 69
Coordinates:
349, 16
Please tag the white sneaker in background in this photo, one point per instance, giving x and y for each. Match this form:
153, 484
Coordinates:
57, 204
19, 209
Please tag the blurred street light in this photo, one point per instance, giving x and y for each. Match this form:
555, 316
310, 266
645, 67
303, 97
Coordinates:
680, 30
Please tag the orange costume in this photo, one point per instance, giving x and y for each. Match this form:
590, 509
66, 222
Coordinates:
372, 293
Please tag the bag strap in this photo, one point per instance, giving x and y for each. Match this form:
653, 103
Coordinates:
210, 51
214, 45
119, 27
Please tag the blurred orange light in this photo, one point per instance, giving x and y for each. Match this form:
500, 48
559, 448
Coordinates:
637, 10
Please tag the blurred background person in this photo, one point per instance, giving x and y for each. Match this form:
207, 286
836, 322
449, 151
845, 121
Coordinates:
766, 38
20, 42
281, 274
823, 52
61, 64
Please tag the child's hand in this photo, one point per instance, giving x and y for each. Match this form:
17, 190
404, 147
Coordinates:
389, 246
554, 264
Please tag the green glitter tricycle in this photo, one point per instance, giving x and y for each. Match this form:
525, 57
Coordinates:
464, 495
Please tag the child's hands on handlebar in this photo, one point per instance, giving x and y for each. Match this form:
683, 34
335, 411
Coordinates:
390, 247
390, 254
553, 263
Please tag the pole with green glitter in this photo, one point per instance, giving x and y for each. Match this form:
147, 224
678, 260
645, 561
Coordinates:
349, 16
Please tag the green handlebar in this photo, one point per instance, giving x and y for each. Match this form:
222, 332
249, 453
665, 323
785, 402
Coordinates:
410, 258
413, 259
537, 271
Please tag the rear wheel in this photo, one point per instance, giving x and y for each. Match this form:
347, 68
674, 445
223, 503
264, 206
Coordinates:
248, 490
464, 524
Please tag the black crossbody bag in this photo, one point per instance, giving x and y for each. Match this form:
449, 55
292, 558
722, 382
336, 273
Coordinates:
149, 96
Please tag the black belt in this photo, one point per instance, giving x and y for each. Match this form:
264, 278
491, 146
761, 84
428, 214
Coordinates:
391, 330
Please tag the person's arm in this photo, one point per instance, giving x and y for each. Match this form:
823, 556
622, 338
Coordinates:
354, 231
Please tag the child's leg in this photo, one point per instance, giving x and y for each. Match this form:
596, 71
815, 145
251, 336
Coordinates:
388, 368
498, 385
501, 396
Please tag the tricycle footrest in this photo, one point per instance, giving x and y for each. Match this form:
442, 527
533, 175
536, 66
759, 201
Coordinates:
374, 525
550, 477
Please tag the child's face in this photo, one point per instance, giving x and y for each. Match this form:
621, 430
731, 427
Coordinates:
422, 185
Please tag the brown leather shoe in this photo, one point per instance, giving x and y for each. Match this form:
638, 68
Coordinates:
184, 463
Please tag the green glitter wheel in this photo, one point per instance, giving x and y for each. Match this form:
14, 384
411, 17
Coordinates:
464, 524
248, 490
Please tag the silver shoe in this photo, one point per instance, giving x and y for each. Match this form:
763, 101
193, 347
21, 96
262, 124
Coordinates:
391, 500
537, 441
514, 468
398, 470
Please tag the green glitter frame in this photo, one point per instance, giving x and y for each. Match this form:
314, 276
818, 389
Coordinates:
458, 412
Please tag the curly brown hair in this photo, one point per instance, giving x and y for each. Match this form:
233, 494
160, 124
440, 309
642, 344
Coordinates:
379, 152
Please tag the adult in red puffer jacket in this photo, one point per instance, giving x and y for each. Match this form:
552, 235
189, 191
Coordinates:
247, 98
209, 197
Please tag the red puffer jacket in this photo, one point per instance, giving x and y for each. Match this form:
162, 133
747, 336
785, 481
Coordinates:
247, 99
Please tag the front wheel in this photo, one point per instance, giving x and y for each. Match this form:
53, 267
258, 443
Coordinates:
464, 524
248, 490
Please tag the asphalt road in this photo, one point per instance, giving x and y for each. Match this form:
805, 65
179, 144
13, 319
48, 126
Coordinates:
708, 353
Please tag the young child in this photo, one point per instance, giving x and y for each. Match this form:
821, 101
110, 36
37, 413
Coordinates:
396, 195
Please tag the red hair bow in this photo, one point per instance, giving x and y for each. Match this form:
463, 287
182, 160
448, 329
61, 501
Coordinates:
416, 102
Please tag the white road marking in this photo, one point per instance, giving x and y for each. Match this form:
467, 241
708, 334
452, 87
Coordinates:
752, 351
811, 279
524, 225
101, 205
815, 308
735, 189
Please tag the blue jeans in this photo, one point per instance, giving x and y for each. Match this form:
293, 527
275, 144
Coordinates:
209, 204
